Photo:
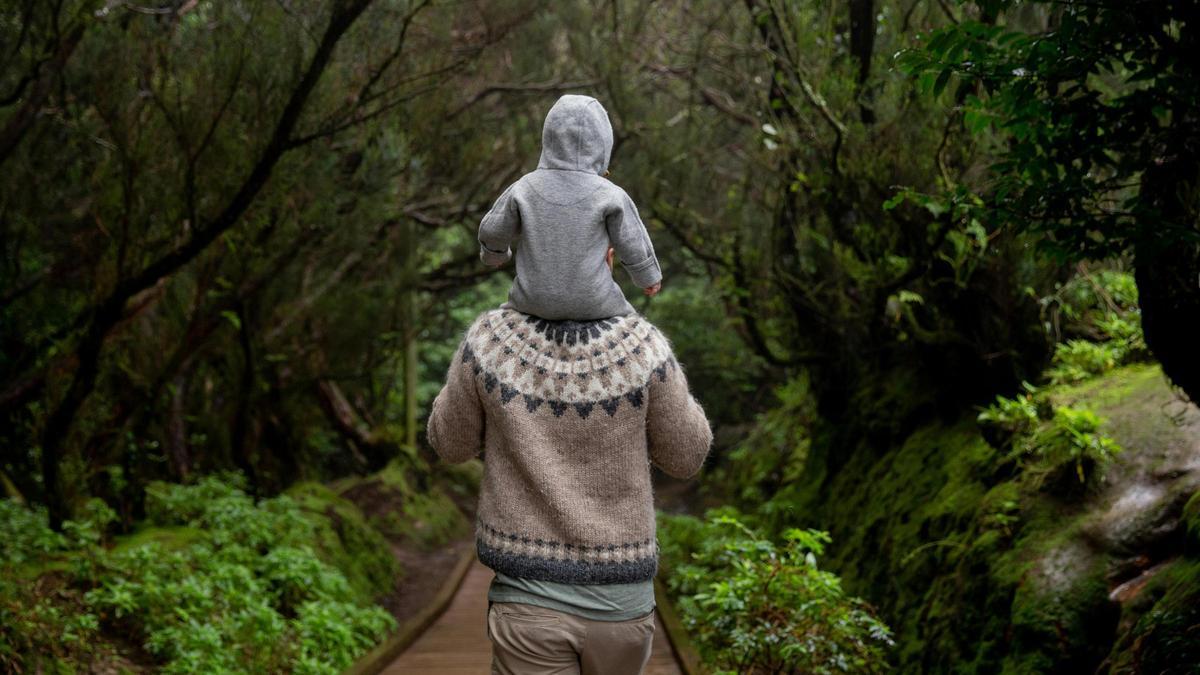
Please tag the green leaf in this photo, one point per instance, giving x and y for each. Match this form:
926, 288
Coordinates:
942, 79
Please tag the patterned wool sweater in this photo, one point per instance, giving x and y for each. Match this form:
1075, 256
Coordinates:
569, 415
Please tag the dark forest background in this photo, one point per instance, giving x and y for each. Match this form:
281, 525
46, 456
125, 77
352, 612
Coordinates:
932, 268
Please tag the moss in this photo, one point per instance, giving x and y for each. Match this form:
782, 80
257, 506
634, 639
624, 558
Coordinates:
1131, 399
1191, 524
345, 540
1058, 610
407, 505
430, 520
1165, 624
1115, 388
976, 569
170, 538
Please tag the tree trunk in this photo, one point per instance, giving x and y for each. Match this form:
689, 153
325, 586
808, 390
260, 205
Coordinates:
410, 335
1166, 261
862, 46
240, 445
1169, 294
177, 448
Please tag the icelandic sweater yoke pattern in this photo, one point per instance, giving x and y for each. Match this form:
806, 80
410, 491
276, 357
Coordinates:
570, 415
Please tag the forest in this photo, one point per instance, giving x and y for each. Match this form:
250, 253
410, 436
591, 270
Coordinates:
932, 268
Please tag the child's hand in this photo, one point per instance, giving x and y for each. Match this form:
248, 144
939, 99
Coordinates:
653, 290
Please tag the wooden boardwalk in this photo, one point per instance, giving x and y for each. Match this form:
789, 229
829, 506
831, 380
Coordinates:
457, 643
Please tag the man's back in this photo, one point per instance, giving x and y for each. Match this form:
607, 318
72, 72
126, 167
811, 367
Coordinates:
570, 415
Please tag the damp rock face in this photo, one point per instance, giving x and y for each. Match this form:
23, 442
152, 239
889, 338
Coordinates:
978, 571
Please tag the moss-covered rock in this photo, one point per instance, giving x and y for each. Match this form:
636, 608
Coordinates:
980, 570
1165, 633
1191, 520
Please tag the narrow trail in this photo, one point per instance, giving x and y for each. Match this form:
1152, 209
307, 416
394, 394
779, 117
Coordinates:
457, 643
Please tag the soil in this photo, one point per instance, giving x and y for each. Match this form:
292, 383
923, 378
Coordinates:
424, 573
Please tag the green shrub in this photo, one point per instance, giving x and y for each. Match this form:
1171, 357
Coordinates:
755, 607
26, 534
1012, 416
773, 453
332, 632
1070, 437
1073, 438
1082, 301
1125, 332
38, 632
1096, 316
244, 591
1078, 360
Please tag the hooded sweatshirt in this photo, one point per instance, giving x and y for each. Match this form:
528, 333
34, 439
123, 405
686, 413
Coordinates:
562, 218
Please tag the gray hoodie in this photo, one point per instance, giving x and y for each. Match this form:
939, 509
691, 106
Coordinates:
562, 218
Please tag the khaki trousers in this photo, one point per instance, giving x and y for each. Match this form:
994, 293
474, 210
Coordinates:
532, 640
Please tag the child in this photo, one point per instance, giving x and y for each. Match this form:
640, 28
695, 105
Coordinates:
566, 216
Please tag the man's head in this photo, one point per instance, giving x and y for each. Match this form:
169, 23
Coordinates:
577, 136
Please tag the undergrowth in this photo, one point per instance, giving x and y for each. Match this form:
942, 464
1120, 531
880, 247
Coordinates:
758, 606
217, 583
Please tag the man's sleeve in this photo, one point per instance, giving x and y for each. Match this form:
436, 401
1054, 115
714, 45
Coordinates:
677, 429
456, 421
629, 237
498, 228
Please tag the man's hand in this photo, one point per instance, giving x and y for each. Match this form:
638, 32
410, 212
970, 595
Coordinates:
608, 257
653, 290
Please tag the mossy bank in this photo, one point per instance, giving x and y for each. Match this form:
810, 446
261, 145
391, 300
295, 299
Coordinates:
981, 562
980, 568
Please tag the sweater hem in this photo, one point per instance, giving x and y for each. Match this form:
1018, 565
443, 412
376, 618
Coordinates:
566, 571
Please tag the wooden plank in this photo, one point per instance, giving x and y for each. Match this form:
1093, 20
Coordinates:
685, 652
409, 631
457, 642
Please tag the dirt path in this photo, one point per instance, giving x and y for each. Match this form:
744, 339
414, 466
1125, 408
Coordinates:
457, 643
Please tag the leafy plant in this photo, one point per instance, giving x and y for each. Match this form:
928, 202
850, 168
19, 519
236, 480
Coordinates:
1016, 415
757, 607
1041, 437
1078, 360
1073, 437
229, 585
1096, 316
25, 533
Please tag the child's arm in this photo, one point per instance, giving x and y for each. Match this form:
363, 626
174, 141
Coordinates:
628, 235
498, 229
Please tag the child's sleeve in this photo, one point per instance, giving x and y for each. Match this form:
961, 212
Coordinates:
632, 243
498, 229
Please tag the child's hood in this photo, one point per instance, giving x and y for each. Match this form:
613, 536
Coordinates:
576, 136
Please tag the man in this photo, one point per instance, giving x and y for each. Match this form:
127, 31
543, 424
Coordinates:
570, 415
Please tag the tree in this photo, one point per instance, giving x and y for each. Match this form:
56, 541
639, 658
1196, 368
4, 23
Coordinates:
1098, 109
198, 231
